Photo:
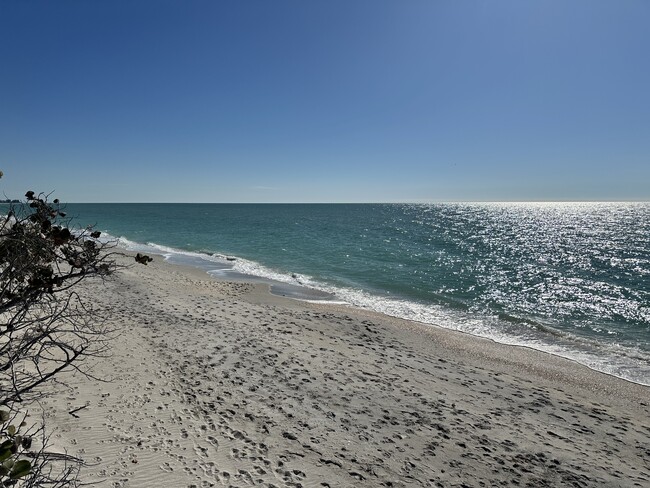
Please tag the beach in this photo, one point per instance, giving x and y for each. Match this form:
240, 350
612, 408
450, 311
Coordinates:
394, 244
220, 383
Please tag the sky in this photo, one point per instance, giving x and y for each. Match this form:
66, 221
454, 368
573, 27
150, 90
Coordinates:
325, 101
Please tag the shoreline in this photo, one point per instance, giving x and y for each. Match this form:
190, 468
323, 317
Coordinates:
219, 383
306, 293
461, 340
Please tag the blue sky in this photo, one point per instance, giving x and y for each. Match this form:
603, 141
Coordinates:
326, 101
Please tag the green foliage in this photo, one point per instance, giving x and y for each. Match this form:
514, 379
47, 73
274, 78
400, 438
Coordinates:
12, 448
20, 469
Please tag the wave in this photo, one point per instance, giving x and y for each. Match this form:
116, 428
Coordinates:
629, 363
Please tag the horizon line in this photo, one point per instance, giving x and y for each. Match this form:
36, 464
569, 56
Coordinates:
396, 202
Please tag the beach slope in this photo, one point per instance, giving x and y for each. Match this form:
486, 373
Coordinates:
221, 384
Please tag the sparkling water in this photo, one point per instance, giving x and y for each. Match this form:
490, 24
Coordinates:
572, 279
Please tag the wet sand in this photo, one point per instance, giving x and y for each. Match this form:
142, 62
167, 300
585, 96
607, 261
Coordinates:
222, 384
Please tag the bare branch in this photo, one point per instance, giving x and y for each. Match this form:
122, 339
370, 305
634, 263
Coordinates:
45, 327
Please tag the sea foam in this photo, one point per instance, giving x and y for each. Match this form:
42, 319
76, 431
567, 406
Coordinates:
627, 363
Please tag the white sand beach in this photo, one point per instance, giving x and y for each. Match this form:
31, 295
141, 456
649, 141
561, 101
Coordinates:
222, 384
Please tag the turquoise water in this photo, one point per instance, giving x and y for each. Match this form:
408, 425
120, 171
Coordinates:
569, 279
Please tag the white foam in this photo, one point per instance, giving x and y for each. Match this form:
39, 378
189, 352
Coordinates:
165, 251
623, 362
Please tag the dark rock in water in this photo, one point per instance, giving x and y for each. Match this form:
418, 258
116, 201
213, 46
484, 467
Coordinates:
295, 277
230, 258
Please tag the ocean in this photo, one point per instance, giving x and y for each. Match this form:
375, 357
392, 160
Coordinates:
570, 279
